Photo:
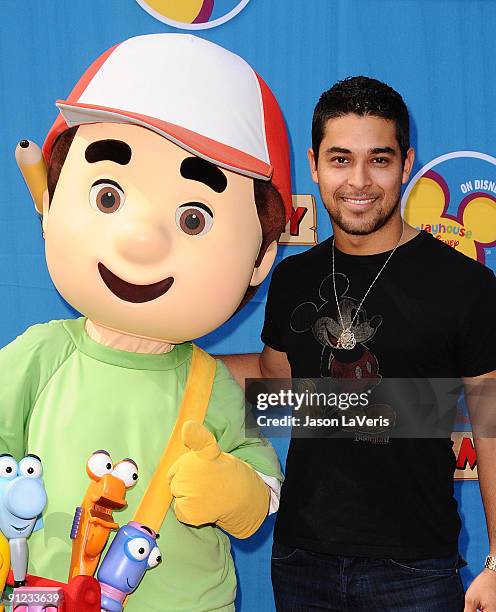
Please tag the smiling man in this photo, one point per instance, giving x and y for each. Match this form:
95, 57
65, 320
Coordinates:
168, 186
370, 523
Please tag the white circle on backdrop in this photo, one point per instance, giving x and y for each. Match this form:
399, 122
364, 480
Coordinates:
439, 160
193, 26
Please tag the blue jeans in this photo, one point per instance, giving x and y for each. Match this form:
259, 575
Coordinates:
304, 581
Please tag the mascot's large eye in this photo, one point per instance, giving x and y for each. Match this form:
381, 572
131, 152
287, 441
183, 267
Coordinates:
99, 464
8, 467
138, 548
31, 467
106, 196
155, 557
194, 218
127, 471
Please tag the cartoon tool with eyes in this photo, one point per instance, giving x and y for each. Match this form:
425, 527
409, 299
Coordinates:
168, 185
92, 525
93, 520
132, 552
22, 500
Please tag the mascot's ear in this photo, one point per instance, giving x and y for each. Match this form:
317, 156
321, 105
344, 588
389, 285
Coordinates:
46, 205
326, 289
261, 271
303, 317
375, 321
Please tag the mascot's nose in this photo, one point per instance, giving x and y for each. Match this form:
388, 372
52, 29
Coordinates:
141, 243
25, 498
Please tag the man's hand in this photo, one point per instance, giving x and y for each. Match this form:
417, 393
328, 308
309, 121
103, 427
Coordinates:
480, 395
267, 364
211, 486
481, 594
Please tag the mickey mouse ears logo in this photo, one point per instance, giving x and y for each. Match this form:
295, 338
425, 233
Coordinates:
454, 198
193, 14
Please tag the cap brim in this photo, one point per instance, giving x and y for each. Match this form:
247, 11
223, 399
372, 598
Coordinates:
75, 113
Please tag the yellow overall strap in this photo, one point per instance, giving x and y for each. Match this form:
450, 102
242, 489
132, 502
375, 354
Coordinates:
158, 497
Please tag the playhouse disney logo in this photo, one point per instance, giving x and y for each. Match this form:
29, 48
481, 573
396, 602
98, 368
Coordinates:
453, 197
193, 14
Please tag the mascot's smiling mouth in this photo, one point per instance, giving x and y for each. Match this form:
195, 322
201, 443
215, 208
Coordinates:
133, 293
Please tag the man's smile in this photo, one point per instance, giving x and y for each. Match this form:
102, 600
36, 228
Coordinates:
359, 203
133, 293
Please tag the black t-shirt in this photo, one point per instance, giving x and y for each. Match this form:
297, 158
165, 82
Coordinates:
429, 314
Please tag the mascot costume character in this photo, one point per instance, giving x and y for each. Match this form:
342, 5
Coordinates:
167, 188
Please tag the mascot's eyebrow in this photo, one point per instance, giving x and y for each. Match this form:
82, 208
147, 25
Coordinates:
34, 456
111, 150
198, 169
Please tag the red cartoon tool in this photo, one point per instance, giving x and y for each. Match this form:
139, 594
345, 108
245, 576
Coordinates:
81, 594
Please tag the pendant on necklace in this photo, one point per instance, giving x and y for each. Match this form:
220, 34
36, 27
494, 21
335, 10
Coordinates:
347, 340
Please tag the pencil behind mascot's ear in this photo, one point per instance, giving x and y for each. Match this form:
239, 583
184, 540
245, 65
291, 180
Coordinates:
33, 168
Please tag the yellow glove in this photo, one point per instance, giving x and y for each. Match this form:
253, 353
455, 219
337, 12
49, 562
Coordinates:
211, 486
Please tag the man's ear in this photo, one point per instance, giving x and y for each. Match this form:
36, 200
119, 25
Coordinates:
313, 165
261, 271
408, 165
46, 205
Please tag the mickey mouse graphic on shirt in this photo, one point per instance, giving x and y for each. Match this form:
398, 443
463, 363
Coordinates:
355, 370
359, 363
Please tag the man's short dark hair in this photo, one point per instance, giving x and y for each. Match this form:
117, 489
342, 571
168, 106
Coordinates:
362, 96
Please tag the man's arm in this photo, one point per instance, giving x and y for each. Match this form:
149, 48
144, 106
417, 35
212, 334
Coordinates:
267, 364
480, 394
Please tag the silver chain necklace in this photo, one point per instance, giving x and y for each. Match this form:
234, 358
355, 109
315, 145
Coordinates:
347, 338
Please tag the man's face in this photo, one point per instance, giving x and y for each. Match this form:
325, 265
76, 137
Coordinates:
360, 172
145, 238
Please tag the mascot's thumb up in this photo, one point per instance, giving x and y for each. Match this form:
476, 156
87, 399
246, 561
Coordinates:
210, 486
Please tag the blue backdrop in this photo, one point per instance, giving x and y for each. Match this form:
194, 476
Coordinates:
439, 54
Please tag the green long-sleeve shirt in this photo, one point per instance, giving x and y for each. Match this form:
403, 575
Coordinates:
64, 396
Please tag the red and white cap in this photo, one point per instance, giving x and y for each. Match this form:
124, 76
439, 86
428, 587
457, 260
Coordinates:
195, 93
